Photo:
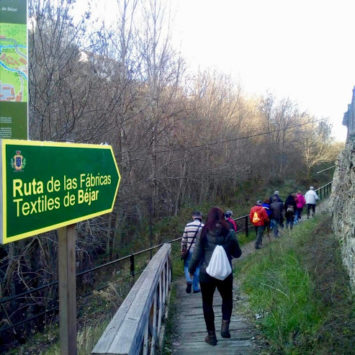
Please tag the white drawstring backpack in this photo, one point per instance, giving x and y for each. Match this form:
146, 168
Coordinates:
219, 266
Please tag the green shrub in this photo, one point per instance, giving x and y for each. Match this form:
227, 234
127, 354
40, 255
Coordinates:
298, 288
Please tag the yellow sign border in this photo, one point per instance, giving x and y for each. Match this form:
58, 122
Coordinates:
4, 142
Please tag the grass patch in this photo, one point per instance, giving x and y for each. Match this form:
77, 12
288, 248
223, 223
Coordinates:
244, 239
300, 291
170, 328
48, 343
176, 263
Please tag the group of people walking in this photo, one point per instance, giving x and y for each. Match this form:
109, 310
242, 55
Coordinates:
273, 213
200, 240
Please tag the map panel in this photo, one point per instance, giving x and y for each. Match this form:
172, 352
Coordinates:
13, 62
13, 69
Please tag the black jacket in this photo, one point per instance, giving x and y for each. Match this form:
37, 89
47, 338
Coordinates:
204, 248
276, 208
278, 198
290, 201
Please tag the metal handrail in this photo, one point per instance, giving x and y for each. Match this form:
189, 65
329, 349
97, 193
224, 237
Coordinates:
54, 283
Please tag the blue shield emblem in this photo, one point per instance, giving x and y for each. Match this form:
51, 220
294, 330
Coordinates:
18, 162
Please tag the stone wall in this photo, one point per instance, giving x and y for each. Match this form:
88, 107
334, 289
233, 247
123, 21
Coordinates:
342, 200
349, 117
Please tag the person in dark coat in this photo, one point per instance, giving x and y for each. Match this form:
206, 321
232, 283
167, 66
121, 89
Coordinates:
277, 196
290, 209
276, 208
215, 232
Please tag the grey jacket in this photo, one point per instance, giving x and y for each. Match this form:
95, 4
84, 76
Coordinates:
205, 246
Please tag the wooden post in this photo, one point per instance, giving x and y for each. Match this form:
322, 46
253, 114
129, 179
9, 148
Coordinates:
67, 289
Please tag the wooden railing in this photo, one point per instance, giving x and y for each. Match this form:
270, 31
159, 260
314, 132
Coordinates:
136, 326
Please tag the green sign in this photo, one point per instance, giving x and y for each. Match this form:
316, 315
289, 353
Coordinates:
47, 185
13, 69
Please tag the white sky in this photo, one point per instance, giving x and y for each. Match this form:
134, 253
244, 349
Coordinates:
300, 49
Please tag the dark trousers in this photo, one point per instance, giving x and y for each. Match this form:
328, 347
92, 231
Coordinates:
259, 235
298, 214
309, 208
225, 288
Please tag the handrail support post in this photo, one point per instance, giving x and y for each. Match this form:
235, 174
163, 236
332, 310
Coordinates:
246, 226
131, 260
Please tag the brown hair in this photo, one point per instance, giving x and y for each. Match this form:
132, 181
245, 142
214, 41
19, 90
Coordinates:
215, 216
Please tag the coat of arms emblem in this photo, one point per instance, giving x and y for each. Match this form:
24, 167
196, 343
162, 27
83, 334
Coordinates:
18, 162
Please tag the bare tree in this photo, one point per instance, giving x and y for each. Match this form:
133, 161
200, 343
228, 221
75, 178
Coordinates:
316, 146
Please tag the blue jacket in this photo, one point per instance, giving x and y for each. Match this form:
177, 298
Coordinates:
267, 208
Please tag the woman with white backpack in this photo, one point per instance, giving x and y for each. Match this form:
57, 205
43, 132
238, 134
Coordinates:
214, 250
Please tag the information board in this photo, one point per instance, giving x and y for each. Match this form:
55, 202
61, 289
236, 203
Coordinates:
13, 69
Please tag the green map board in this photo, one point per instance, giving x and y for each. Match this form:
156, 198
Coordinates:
48, 185
13, 69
